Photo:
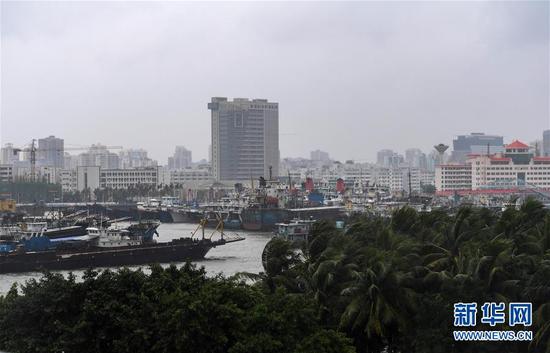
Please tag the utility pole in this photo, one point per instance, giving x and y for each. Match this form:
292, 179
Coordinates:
33, 161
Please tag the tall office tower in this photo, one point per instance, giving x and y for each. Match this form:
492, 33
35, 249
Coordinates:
51, 152
181, 159
245, 138
546, 143
475, 143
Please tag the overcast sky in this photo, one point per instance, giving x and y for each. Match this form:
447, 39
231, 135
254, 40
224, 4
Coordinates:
350, 78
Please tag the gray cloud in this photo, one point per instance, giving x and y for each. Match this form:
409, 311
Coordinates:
350, 78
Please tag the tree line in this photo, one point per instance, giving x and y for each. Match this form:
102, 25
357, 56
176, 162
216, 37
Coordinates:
384, 284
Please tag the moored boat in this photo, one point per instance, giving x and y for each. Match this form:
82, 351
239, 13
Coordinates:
101, 248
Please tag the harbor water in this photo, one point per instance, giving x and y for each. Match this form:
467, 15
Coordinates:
242, 256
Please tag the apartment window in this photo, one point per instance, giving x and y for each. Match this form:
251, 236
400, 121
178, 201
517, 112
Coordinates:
238, 120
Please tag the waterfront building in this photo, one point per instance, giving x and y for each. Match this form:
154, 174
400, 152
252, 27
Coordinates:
515, 168
181, 159
475, 143
191, 177
95, 177
245, 139
51, 152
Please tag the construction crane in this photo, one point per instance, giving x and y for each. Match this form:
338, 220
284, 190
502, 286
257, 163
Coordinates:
32, 149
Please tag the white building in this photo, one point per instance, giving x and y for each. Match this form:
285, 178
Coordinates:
516, 167
68, 180
396, 179
87, 177
9, 154
192, 177
124, 178
451, 177
7, 173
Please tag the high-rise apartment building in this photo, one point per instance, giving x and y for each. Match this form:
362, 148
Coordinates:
9, 155
181, 159
51, 152
245, 138
388, 158
135, 158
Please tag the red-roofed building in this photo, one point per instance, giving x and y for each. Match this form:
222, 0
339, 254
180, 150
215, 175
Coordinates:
519, 152
515, 168
518, 145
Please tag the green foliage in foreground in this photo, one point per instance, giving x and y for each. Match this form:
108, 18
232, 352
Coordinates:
383, 285
169, 310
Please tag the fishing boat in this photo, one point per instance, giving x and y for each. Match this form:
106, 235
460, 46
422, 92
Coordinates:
105, 248
296, 231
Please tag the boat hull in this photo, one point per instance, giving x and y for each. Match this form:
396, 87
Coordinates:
262, 219
179, 216
175, 251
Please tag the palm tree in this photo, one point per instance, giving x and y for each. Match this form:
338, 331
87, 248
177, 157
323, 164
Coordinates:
379, 305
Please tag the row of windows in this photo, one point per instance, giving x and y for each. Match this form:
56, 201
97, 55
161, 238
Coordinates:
263, 106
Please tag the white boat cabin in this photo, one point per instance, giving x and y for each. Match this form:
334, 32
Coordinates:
295, 230
112, 238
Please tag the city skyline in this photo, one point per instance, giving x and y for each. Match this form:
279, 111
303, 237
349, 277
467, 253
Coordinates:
66, 73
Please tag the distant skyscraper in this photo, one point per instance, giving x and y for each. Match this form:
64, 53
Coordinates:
181, 159
546, 143
99, 155
245, 138
475, 143
388, 158
319, 156
413, 157
135, 158
51, 152
9, 155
